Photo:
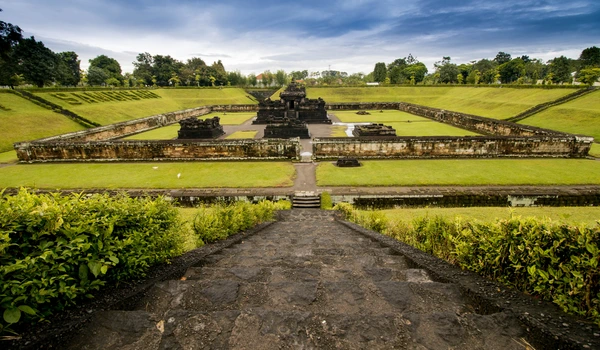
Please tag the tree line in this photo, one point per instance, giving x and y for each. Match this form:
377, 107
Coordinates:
28, 61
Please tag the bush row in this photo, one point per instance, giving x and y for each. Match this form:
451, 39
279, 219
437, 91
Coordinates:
55, 249
219, 221
555, 261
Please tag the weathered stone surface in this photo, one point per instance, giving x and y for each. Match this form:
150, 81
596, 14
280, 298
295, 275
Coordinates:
373, 130
194, 128
451, 147
159, 150
286, 128
293, 104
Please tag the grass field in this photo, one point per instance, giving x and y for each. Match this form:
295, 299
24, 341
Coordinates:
8, 157
170, 100
571, 215
491, 102
21, 120
405, 124
170, 131
595, 151
580, 116
143, 175
461, 172
244, 134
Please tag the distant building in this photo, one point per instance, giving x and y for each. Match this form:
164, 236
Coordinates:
373, 84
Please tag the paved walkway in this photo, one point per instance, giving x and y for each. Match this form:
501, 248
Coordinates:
305, 282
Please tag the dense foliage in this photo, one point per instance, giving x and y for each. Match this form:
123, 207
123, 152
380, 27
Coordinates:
57, 249
219, 221
555, 261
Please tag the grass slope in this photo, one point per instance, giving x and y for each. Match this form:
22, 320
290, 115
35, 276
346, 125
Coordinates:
170, 100
143, 175
21, 120
579, 116
405, 124
462, 172
570, 215
245, 134
491, 102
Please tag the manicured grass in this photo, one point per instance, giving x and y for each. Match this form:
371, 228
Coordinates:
143, 175
171, 100
170, 131
491, 102
462, 172
571, 215
26, 121
8, 157
245, 134
595, 151
405, 124
338, 131
579, 116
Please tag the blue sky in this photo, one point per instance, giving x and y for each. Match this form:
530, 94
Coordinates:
348, 35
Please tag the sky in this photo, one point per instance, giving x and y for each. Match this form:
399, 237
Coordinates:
345, 35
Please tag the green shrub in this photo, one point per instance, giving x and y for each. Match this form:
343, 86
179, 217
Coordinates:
57, 249
219, 221
555, 261
326, 202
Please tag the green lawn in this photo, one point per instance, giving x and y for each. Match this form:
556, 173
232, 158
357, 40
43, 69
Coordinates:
8, 157
595, 151
571, 215
491, 102
579, 116
405, 124
245, 134
170, 100
143, 175
170, 131
462, 172
21, 120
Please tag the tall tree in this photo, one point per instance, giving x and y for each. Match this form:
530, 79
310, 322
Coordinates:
109, 65
37, 63
69, 71
220, 73
281, 77
10, 36
502, 57
252, 79
511, 70
589, 75
380, 72
143, 68
163, 68
590, 57
299, 75
96, 76
560, 68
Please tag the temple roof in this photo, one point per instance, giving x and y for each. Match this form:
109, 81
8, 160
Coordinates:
293, 90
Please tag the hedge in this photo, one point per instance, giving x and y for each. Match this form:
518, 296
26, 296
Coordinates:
554, 261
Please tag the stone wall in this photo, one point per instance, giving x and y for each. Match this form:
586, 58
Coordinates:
475, 123
452, 147
234, 108
353, 106
77, 151
130, 127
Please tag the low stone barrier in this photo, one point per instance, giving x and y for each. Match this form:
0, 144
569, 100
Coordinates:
564, 146
146, 150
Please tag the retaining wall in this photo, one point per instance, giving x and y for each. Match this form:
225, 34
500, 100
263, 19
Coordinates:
452, 147
265, 149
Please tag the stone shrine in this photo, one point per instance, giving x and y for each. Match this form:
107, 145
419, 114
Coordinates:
194, 128
293, 104
283, 128
374, 130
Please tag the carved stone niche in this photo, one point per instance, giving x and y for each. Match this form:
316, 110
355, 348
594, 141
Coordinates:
194, 128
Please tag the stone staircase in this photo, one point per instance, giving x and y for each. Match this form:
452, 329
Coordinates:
306, 199
305, 282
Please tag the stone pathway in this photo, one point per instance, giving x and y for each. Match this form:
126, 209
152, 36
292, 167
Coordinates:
305, 282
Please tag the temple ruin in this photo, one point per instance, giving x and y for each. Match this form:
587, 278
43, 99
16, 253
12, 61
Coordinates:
194, 128
293, 104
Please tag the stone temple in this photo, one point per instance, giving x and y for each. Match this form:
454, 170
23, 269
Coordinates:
293, 105
194, 128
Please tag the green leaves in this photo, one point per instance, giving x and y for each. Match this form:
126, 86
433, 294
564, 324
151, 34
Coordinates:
56, 250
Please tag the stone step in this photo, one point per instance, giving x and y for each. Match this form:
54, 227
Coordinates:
272, 329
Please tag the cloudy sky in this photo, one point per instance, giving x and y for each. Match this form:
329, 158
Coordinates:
346, 35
